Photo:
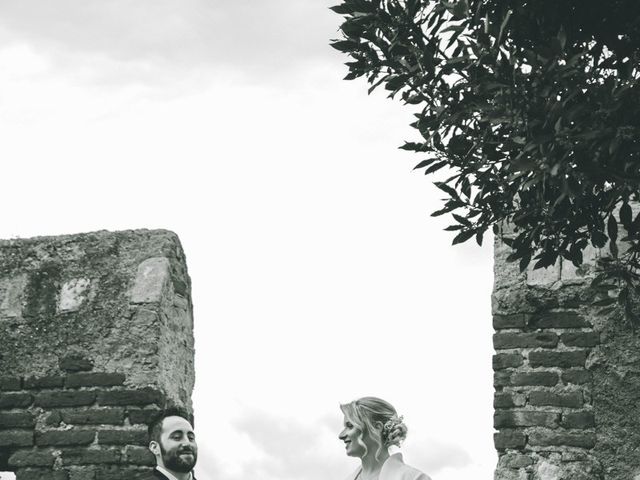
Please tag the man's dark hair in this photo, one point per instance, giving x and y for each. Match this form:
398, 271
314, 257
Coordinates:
155, 427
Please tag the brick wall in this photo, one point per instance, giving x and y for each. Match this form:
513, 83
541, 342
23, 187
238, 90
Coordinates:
97, 336
566, 377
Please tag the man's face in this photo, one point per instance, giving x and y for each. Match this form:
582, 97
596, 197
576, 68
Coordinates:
178, 447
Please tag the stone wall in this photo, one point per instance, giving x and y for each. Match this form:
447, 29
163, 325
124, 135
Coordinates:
566, 377
96, 336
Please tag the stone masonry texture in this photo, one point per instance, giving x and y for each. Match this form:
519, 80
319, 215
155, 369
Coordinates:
96, 337
566, 376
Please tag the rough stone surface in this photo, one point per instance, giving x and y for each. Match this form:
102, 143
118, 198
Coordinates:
569, 411
96, 327
150, 279
97, 337
72, 294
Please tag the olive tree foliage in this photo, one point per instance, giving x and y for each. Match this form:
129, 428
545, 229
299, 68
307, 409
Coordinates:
534, 107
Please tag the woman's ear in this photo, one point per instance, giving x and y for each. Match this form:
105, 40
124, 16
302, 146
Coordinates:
378, 426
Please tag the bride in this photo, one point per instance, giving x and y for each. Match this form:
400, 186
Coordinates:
371, 426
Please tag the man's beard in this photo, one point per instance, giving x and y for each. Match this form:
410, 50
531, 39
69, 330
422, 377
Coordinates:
173, 461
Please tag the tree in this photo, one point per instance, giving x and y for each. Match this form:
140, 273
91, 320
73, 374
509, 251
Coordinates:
533, 106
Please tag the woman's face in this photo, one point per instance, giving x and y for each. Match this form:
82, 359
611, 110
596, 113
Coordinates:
349, 435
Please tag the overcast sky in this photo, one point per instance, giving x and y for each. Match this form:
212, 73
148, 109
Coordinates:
318, 274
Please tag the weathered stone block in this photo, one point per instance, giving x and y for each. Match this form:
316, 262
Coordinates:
509, 439
577, 376
75, 363
94, 379
52, 419
575, 358
82, 472
142, 415
580, 339
123, 437
554, 438
65, 399
11, 293
90, 456
524, 340
50, 381
501, 378
505, 473
543, 276
72, 294
546, 379
16, 419
564, 399
15, 400
151, 277
93, 416
582, 419
10, 383
509, 400
32, 458
143, 396
16, 438
507, 360
566, 319
74, 436
525, 418
41, 474
139, 456
516, 320
515, 460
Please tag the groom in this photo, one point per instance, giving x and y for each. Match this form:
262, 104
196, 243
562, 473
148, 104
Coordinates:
173, 443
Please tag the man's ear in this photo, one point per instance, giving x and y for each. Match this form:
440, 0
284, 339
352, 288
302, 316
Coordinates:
154, 447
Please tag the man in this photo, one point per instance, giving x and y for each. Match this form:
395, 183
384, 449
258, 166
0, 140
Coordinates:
173, 443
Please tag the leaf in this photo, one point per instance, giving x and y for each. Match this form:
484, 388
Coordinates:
625, 215
444, 210
341, 9
612, 228
424, 163
463, 237
461, 219
411, 146
446, 188
345, 45
435, 167
598, 239
524, 262
503, 25
622, 296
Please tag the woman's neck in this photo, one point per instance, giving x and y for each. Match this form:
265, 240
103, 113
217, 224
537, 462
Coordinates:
371, 465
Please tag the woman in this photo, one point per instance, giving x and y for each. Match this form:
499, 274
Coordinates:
371, 426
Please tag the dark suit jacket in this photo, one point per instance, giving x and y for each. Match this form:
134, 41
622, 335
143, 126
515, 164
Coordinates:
160, 476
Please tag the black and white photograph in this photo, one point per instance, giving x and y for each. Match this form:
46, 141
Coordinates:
319, 240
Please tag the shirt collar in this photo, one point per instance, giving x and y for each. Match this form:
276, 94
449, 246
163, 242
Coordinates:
168, 474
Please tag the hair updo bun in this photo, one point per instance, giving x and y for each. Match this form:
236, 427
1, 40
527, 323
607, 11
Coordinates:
394, 431
368, 413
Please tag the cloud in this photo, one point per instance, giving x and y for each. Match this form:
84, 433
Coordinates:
291, 450
436, 456
257, 38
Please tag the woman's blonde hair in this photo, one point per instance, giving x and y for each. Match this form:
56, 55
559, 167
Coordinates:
364, 412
